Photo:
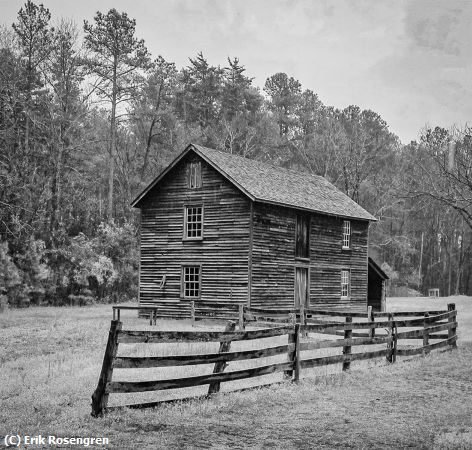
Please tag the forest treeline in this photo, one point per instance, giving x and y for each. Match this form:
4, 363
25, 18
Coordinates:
89, 117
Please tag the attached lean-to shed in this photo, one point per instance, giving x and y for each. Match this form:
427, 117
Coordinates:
376, 296
218, 228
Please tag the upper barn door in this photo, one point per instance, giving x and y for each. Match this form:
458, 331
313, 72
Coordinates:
301, 287
302, 237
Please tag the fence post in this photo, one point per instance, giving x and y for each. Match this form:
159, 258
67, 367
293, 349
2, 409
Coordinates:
371, 318
241, 317
192, 313
292, 354
451, 332
347, 348
221, 365
296, 362
394, 334
426, 335
100, 396
392, 346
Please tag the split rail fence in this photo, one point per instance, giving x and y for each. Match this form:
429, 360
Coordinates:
376, 329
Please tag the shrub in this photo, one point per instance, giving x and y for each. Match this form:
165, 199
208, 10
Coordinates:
11, 286
102, 268
82, 270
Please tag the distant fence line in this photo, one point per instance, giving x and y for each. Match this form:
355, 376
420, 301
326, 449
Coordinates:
245, 314
430, 324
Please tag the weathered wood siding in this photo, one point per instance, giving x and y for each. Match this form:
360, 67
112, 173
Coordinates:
273, 257
327, 259
274, 262
223, 252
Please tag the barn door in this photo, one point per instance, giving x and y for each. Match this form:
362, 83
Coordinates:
301, 287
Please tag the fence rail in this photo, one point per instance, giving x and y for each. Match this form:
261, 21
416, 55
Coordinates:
130, 362
200, 310
144, 386
133, 337
375, 333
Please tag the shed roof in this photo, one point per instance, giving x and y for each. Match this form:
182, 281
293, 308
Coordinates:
267, 183
374, 266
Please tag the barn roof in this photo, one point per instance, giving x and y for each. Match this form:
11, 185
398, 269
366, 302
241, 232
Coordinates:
267, 183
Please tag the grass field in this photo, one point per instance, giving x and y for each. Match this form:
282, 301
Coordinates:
50, 360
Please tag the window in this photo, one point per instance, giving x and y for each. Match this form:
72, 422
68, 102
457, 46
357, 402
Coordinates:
302, 236
345, 283
346, 234
195, 175
191, 281
193, 222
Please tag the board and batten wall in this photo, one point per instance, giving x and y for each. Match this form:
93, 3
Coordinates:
274, 262
223, 252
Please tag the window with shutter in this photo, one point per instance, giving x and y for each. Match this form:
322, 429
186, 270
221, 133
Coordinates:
302, 236
195, 175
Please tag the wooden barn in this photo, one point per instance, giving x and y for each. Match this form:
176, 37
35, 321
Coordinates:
218, 228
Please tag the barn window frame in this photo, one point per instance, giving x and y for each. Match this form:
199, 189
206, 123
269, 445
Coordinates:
346, 235
193, 222
345, 284
302, 250
191, 288
195, 175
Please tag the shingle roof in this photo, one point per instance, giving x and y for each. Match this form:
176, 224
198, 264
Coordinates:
271, 184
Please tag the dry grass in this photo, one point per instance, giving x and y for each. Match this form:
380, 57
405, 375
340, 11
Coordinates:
50, 360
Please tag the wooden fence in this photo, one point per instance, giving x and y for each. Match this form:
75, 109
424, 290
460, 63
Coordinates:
438, 326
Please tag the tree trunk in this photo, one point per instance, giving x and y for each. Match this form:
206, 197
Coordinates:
111, 165
56, 187
29, 96
449, 279
151, 130
460, 262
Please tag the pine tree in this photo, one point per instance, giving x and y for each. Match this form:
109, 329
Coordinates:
236, 89
202, 92
284, 96
35, 38
64, 74
117, 57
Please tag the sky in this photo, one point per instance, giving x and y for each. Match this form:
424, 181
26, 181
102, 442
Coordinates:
408, 60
